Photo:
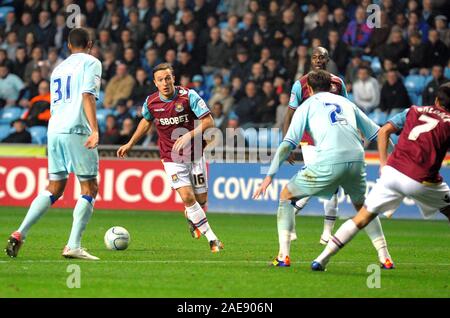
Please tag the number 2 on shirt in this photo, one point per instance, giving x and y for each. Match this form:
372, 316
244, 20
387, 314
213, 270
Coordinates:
60, 92
334, 118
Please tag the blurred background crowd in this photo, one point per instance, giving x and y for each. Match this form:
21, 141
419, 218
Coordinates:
241, 56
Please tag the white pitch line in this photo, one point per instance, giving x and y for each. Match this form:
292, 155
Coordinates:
197, 262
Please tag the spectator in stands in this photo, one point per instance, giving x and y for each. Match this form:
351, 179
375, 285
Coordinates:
427, 11
10, 24
214, 51
92, 13
393, 93
291, 25
45, 29
340, 20
246, 108
357, 34
242, 67
245, 34
131, 60
121, 111
301, 64
36, 57
257, 75
11, 44
430, 91
105, 42
322, 28
26, 27
32, 86
61, 32
415, 24
4, 59
127, 131
237, 90
266, 111
396, 48
352, 69
108, 10
20, 62
38, 113
281, 110
119, 87
217, 84
151, 60
440, 24
20, 134
142, 88
138, 29
10, 86
415, 59
437, 51
379, 36
223, 95
366, 90
199, 87
220, 119
338, 51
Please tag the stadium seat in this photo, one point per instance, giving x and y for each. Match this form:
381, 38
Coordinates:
375, 65
378, 116
251, 137
5, 130
10, 114
101, 117
38, 134
4, 12
447, 72
415, 84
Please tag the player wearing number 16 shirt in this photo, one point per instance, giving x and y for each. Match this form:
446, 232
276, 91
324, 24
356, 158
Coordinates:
72, 142
412, 170
176, 111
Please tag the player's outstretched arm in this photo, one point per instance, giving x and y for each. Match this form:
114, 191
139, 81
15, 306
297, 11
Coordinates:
205, 123
142, 129
89, 107
281, 155
383, 142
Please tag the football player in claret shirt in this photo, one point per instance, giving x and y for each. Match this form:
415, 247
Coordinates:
173, 109
301, 92
412, 170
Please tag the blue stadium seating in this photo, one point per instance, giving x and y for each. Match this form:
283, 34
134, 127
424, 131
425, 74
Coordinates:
447, 72
38, 134
5, 130
4, 12
10, 113
415, 83
101, 117
375, 65
378, 116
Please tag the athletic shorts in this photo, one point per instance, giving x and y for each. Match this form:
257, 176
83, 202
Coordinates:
188, 174
67, 154
323, 180
393, 186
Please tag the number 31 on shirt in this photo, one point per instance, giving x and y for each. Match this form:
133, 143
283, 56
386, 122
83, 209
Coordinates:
62, 89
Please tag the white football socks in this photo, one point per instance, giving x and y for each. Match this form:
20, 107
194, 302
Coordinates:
285, 225
331, 209
375, 233
197, 216
337, 241
38, 207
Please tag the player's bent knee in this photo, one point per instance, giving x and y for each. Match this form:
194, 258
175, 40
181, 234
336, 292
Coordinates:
286, 194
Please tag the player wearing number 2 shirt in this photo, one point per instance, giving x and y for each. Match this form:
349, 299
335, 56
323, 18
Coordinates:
178, 111
411, 171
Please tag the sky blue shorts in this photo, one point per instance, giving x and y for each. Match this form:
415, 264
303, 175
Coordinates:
323, 181
67, 154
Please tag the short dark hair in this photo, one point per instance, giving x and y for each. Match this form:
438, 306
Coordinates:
319, 81
443, 95
79, 38
162, 67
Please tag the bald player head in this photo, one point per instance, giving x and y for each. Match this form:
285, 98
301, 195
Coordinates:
319, 58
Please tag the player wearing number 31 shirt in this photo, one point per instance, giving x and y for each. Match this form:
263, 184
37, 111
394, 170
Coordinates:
412, 170
174, 111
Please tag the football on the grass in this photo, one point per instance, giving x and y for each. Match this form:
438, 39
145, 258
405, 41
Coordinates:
117, 238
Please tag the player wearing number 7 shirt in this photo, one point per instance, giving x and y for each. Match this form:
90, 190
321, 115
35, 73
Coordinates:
412, 170
72, 142
174, 111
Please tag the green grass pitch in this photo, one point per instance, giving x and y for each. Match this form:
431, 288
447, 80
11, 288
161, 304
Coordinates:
164, 261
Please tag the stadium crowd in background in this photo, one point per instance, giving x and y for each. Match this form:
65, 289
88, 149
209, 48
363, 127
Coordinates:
242, 56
